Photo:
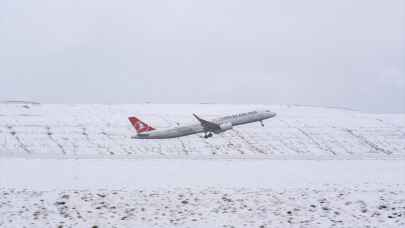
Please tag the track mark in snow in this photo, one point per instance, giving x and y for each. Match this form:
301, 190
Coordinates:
343, 147
244, 139
160, 151
324, 148
232, 145
209, 145
367, 142
183, 146
112, 140
156, 148
74, 146
4, 144
86, 135
397, 128
20, 143
290, 145
50, 136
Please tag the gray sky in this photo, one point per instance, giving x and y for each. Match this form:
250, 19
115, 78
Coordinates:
347, 53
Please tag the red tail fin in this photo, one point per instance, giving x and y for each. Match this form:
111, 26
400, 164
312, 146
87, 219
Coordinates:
140, 126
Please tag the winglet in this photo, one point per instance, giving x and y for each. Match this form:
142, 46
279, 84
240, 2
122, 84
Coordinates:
198, 118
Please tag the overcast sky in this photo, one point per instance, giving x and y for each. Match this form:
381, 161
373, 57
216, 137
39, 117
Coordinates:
348, 53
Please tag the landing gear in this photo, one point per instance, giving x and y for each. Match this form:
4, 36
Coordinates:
208, 135
261, 122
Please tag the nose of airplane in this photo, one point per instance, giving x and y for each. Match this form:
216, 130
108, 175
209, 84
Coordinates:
270, 114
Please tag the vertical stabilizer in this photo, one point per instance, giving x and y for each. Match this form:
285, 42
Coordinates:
140, 126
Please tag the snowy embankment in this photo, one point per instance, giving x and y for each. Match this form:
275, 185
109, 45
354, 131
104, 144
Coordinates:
103, 131
323, 167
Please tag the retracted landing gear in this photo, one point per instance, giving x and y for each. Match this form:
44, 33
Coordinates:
208, 135
261, 122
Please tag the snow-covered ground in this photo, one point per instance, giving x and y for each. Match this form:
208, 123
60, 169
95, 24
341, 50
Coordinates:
201, 193
77, 131
76, 166
334, 206
44, 174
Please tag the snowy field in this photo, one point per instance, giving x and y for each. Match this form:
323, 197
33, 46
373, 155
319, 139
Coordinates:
201, 193
76, 166
303, 207
95, 131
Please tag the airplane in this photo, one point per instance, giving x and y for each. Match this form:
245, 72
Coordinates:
215, 126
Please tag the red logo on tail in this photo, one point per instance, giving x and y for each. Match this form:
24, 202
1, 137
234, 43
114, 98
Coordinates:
140, 126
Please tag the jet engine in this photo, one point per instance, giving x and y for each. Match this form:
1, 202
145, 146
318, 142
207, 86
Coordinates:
224, 127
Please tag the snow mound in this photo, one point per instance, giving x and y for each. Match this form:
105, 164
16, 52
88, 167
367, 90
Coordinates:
103, 131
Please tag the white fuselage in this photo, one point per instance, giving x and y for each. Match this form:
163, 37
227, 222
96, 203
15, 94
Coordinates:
232, 120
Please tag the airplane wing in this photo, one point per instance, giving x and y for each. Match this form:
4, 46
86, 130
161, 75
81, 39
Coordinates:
207, 125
